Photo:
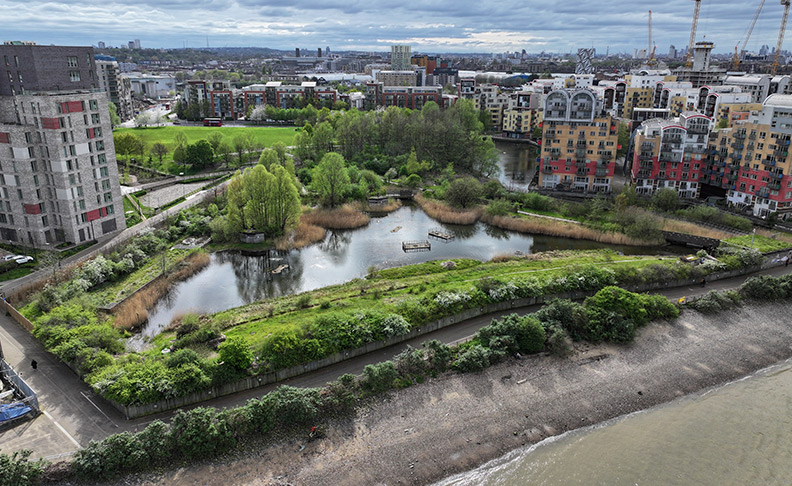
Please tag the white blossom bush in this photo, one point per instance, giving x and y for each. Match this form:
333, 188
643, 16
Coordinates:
446, 299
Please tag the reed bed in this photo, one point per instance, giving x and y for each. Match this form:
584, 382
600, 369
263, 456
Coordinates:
446, 214
345, 217
566, 230
387, 207
133, 311
694, 229
303, 235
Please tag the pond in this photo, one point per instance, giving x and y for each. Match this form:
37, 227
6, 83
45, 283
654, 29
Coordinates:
517, 162
233, 279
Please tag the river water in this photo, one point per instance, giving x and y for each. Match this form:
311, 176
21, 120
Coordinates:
739, 434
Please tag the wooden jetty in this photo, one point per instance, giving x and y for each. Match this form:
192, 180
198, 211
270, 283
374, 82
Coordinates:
690, 240
408, 246
441, 234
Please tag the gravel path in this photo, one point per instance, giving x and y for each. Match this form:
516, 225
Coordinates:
161, 197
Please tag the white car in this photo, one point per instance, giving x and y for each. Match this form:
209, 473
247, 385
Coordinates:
20, 259
10, 257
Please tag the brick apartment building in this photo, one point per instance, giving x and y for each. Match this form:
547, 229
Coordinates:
579, 142
751, 159
58, 173
671, 154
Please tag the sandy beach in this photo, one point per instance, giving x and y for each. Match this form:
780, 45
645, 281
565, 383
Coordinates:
456, 422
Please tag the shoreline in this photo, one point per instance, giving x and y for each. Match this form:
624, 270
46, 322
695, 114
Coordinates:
455, 422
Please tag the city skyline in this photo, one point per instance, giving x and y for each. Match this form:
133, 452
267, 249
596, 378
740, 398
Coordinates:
617, 26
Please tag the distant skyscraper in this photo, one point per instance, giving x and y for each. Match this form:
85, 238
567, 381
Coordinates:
583, 65
137, 43
672, 53
297, 52
318, 52
400, 58
100, 45
764, 50
131, 44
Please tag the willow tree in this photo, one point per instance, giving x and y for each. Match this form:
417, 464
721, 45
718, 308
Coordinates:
263, 200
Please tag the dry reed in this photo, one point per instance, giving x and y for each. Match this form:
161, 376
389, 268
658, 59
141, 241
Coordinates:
345, 217
386, 207
566, 230
303, 235
133, 311
446, 214
689, 228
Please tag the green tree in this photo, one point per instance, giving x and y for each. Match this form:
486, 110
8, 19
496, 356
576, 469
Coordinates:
235, 352
666, 199
159, 150
414, 180
128, 144
284, 198
199, 154
224, 152
115, 120
268, 158
180, 139
623, 139
330, 179
463, 192
215, 138
240, 147
390, 174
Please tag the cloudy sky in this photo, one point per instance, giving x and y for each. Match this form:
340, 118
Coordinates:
428, 25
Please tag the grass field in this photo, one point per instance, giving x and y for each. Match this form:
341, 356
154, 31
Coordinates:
761, 243
266, 136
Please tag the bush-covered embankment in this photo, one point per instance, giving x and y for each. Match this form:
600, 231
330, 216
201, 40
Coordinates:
612, 314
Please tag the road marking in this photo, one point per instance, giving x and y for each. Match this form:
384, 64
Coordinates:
100, 410
74, 441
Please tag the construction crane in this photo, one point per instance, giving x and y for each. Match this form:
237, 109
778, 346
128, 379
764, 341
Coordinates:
785, 3
689, 57
649, 48
738, 54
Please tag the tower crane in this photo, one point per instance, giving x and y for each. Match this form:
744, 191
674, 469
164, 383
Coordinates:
649, 47
738, 54
785, 3
689, 57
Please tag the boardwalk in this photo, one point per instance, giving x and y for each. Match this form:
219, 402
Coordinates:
408, 246
690, 240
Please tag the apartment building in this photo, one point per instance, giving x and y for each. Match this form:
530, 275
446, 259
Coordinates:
751, 160
398, 78
671, 153
400, 57
523, 115
117, 87
579, 142
58, 174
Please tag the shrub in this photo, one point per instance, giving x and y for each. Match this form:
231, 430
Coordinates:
378, 378
304, 301
235, 352
500, 207
557, 341
438, 354
534, 200
410, 362
513, 333
762, 287
294, 406
476, 358
565, 314
198, 433
18, 470
714, 301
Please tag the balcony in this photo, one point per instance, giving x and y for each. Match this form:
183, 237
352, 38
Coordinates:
647, 164
739, 135
583, 171
776, 186
580, 154
581, 143
606, 156
601, 173
737, 146
547, 170
644, 174
646, 155
580, 163
769, 163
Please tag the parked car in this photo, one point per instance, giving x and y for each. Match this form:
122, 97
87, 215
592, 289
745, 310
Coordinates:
9, 257
21, 259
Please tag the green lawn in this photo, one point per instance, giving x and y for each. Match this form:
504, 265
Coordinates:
266, 136
761, 243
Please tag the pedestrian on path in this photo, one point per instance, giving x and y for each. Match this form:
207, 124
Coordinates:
34, 364
703, 282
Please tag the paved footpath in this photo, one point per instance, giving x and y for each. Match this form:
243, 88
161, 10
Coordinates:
74, 415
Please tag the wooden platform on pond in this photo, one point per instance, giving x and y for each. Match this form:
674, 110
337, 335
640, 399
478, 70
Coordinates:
408, 246
280, 268
441, 234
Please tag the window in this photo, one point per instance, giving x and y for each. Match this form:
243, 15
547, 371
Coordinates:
108, 197
71, 61
82, 203
93, 104
99, 145
106, 184
103, 171
95, 118
19, 75
44, 221
72, 180
110, 209
74, 76
98, 131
